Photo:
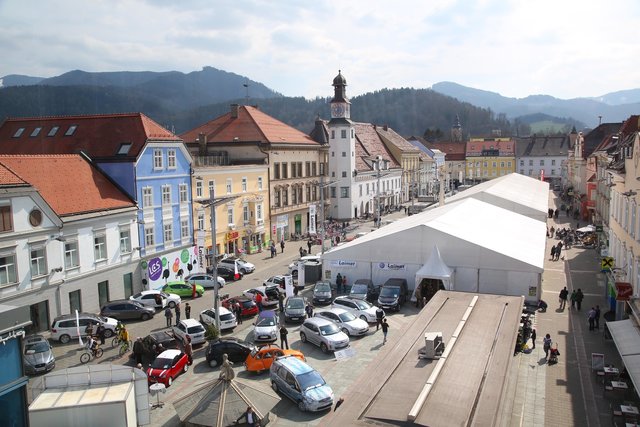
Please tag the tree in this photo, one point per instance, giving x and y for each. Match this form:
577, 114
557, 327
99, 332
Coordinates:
433, 135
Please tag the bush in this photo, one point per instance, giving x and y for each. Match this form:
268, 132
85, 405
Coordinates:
211, 332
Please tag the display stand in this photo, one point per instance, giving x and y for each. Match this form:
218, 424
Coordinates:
156, 389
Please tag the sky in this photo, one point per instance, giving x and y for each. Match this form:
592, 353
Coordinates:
563, 48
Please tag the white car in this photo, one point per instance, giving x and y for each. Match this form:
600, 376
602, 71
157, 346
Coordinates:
190, 327
266, 328
269, 294
150, 298
293, 267
360, 308
227, 318
244, 267
205, 280
346, 321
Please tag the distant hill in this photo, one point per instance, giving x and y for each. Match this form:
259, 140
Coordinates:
18, 80
586, 110
544, 124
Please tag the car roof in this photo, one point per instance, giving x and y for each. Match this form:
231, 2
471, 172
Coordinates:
296, 297
241, 298
295, 365
268, 313
151, 291
177, 282
223, 310
335, 310
319, 321
73, 316
190, 322
34, 339
169, 354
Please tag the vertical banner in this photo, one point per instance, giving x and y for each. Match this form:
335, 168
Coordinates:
201, 248
312, 219
288, 285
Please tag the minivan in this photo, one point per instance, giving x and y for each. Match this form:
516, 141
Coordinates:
364, 289
323, 333
393, 294
300, 383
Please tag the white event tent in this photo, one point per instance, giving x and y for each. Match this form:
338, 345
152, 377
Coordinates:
490, 249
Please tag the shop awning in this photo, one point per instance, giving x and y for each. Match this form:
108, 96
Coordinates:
626, 337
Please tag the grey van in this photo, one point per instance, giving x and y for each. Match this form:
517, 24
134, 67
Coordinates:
393, 294
300, 383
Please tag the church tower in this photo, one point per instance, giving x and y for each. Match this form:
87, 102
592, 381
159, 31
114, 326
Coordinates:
342, 152
456, 131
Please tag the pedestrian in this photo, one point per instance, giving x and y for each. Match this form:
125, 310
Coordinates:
194, 291
573, 299
138, 349
309, 310
168, 316
533, 339
379, 317
559, 250
281, 302
597, 319
249, 416
579, 298
283, 337
591, 317
188, 349
339, 283
552, 231
177, 310
237, 308
546, 345
187, 311
550, 212
301, 252
553, 253
309, 244
100, 333
563, 298
273, 249
282, 245
547, 232
385, 329
555, 213
258, 297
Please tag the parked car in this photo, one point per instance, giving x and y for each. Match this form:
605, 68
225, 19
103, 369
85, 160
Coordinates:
262, 358
360, 308
293, 267
167, 366
270, 295
182, 289
127, 309
237, 351
323, 333
244, 267
322, 292
279, 281
190, 327
364, 289
227, 319
229, 273
156, 298
206, 280
346, 320
249, 308
151, 342
266, 327
300, 383
294, 309
38, 355
393, 294
64, 328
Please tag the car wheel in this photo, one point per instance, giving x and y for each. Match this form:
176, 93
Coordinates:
186, 368
108, 333
303, 337
274, 386
243, 271
169, 382
363, 317
213, 363
301, 406
172, 304
324, 348
64, 339
346, 331
145, 316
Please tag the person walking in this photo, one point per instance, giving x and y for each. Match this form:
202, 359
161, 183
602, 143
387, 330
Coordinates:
281, 302
309, 310
579, 298
187, 311
552, 231
283, 337
309, 244
591, 317
533, 339
237, 308
258, 298
546, 345
282, 246
553, 253
249, 416
188, 349
379, 317
385, 329
558, 250
301, 252
168, 316
273, 249
573, 299
563, 298
138, 349
177, 310
101, 333
597, 318
339, 283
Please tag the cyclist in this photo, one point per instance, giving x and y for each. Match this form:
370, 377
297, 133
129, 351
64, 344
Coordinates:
92, 345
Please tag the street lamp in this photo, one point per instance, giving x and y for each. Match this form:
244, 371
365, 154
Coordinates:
380, 164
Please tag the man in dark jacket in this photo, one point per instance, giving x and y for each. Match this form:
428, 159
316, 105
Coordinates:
138, 350
379, 316
283, 337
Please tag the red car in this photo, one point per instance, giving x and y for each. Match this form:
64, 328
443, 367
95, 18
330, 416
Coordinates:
249, 308
168, 365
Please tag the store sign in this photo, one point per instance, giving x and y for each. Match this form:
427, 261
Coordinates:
340, 263
391, 266
624, 291
232, 235
607, 263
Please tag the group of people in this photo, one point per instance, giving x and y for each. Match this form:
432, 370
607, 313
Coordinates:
556, 251
593, 317
341, 283
168, 314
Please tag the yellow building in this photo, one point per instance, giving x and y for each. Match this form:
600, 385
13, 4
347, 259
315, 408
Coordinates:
488, 158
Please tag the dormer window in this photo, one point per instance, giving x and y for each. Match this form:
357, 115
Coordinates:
36, 132
53, 131
71, 130
18, 133
124, 149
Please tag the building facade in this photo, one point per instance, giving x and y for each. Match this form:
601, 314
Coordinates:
543, 157
488, 158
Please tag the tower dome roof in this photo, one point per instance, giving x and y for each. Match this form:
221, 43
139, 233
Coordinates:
339, 80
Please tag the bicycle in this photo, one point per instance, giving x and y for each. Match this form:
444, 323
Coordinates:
87, 354
124, 348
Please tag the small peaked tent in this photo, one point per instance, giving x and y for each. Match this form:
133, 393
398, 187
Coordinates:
435, 268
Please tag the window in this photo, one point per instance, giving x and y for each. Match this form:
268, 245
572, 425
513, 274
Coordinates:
245, 214
36, 132
184, 228
276, 171
147, 197
200, 220
314, 168
509, 164
125, 241
553, 172
71, 130
244, 184
322, 169
18, 133
285, 198
157, 159
259, 212
229, 185
343, 133
168, 233
333, 192
184, 196
53, 131
230, 214
542, 162
299, 169
100, 246
5, 218
344, 154
353, 133
198, 189
103, 293
344, 174
308, 192
494, 164
166, 194
38, 261
307, 168
276, 202
501, 164
344, 192
75, 301
531, 162
285, 170
553, 162
315, 193
171, 158
212, 189
7, 269
71, 258
294, 170
149, 237
294, 196
124, 149
333, 134
259, 183
521, 162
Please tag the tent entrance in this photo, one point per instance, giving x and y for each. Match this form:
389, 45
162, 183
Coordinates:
428, 288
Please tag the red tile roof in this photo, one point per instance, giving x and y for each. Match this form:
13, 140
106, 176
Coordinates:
453, 151
397, 140
369, 144
99, 136
9, 179
250, 125
68, 183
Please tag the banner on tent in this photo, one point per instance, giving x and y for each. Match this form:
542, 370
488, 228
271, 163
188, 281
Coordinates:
340, 263
391, 266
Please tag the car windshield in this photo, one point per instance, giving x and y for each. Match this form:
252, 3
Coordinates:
138, 295
164, 294
295, 303
323, 287
310, 380
195, 329
248, 304
388, 291
359, 288
362, 305
329, 329
266, 321
346, 317
38, 347
161, 363
227, 316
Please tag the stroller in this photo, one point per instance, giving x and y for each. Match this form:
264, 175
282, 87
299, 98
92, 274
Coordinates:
553, 355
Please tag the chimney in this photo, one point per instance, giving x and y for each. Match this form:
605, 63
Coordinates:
202, 144
234, 111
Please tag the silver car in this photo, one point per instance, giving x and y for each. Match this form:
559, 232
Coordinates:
347, 321
323, 333
360, 308
38, 355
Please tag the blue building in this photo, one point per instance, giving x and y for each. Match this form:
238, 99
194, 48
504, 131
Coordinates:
148, 162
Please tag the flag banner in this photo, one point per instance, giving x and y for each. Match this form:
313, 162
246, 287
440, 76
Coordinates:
312, 219
78, 329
